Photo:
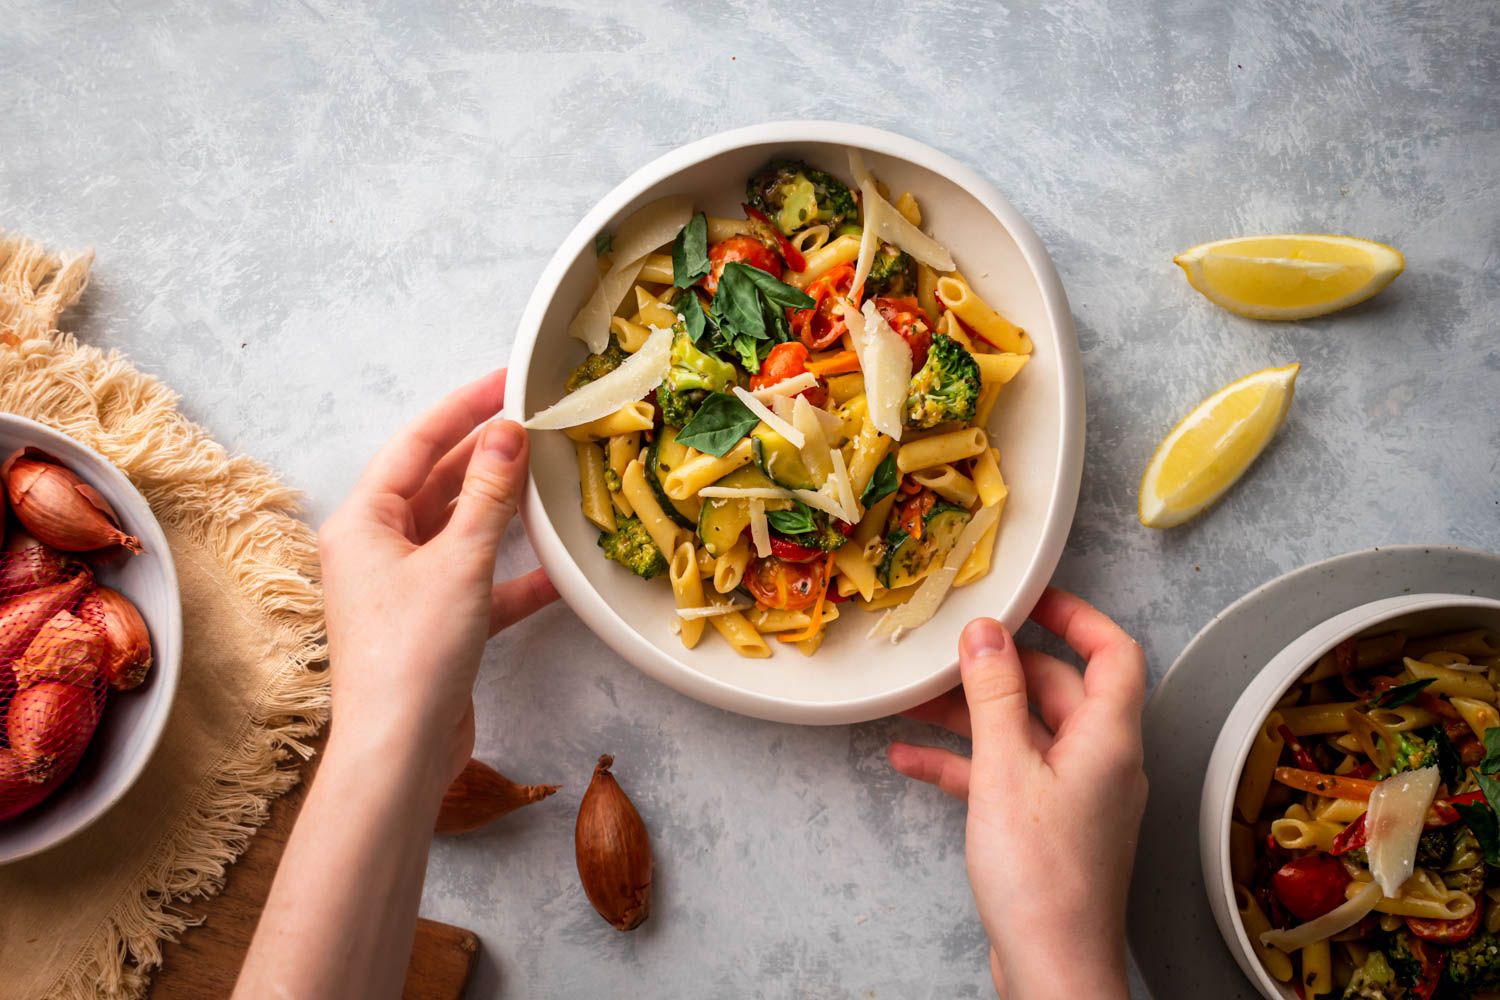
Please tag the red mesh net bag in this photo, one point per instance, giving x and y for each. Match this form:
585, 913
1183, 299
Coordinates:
52, 685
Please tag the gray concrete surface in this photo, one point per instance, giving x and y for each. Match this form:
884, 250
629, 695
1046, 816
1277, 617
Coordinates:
314, 218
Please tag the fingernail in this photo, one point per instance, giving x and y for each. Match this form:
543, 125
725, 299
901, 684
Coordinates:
505, 439
984, 637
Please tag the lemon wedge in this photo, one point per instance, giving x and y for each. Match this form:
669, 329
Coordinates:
1211, 448
1290, 277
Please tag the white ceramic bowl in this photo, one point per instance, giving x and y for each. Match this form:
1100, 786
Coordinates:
133, 720
1417, 614
1038, 427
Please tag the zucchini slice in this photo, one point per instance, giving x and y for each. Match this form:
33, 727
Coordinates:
780, 460
722, 521
909, 559
664, 455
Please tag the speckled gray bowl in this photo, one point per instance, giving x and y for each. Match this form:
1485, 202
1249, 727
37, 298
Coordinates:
133, 720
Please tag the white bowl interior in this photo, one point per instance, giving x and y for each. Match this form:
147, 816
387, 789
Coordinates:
1418, 615
133, 721
1038, 426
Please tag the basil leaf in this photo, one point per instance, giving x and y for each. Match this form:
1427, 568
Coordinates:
690, 252
693, 316
797, 521
1401, 694
604, 243
1482, 823
1490, 787
718, 425
882, 484
774, 289
737, 302
776, 324
1450, 765
1491, 762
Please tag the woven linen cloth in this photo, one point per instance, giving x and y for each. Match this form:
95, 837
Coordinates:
88, 917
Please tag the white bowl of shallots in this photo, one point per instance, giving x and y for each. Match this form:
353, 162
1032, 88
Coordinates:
90, 636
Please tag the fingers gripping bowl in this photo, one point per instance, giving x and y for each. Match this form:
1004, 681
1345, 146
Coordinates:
1037, 429
1340, 806
55, 696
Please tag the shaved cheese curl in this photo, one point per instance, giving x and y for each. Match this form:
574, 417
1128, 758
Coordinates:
642, 372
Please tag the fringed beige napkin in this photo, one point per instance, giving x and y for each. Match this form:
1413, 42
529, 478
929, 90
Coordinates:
87, 918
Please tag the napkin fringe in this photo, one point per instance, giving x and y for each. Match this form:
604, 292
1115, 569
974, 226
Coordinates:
236, 509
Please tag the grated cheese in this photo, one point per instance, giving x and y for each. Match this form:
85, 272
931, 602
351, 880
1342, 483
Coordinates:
760, 530
642, 372
787, 387
890, 225
815, 450
886, 360
648, 228
712, 610
770, 419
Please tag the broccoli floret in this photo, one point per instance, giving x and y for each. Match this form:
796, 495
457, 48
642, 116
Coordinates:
794, 195
631, 546
825, 536
597, 366
1463, 870
1412, 752
1434, 848
693, 375
946, 388
1373, 980
892, 273
1475, 964
612, 480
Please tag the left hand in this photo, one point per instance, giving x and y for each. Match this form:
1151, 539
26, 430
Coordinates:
408, 575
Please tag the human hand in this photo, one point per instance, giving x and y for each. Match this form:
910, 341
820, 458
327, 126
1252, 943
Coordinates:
1055, 799
408, 575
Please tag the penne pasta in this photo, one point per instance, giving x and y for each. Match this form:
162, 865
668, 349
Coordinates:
701, 470
941, 449
596, 502
976, 314
741, 635
687, 587
628, 419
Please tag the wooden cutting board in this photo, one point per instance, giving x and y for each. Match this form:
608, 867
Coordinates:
207, 960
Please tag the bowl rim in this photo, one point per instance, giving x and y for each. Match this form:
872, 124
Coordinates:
167, 669
1293, 659
1068, 468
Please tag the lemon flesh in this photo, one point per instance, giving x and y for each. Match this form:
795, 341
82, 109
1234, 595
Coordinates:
1210, 449
1290, 277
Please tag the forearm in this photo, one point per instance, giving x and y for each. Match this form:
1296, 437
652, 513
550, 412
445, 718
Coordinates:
343, 908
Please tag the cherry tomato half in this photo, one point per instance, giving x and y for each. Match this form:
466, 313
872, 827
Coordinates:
788, 361
911, 513
1444, 931
746, 250
784, 585
1310, 886
790, 551
823, 324
907, 319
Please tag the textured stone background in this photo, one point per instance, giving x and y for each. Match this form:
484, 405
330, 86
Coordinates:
312, 219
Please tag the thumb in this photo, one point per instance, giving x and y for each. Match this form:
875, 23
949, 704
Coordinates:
995, 687
492, 487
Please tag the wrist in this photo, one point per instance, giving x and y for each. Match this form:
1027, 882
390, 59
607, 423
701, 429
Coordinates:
389, 760
1080, 968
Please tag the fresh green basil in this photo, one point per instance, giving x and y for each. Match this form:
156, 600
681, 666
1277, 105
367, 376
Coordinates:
748, 315
1449, 764
797, 521
1491, 762
693, 317
718, 425
690, 252
882, 484
1401, 694
1482, 823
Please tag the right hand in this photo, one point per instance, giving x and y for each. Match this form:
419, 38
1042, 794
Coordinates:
1055, 799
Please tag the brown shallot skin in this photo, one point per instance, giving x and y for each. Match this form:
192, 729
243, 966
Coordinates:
50, 724
21, 618
127, 654
66, 649
26, 564
480, 795
59, 508
614, 851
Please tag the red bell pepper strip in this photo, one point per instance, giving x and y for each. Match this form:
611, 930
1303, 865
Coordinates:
1300, 753
789, 253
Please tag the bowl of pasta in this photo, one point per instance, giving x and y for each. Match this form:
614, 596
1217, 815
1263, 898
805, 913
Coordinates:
1348, 823
804, 398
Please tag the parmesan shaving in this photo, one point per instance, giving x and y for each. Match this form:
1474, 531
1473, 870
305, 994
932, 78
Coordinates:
1342, 917
760, 530
823, 502
747, 493
869, 242
648, 228
886, 360
771, 420
782, 407
881, 217
816, 454
642, 372
923, 604
787, 387
1393, 825
843, 488
712, 610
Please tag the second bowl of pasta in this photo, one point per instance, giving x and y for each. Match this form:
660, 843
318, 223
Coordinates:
1348, 807
818, 385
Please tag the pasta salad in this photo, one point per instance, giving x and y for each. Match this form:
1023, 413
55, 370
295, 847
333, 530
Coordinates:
1365, 826
784, 412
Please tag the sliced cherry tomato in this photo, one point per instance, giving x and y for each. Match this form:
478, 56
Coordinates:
907, 319
790, 551
789, 253
1310, 886
746, 250
1444, 931
911, 513
784, 585
824, 324
788, 361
